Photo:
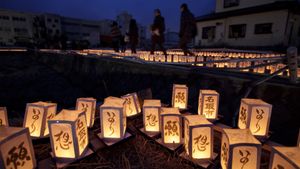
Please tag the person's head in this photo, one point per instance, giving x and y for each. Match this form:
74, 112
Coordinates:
184, 7
157, 12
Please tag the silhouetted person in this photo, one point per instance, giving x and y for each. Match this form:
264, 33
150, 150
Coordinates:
116, 36
188, 29
133, 34
157, 30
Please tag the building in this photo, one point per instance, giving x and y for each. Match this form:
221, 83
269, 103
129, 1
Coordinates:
16, 28
171, 39
251, 23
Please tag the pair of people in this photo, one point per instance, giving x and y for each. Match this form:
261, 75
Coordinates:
131, 37
188, 30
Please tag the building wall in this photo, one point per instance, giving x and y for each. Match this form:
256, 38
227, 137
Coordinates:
277, 37
53, 24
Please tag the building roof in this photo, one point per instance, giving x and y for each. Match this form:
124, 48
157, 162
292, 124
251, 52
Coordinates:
292, 5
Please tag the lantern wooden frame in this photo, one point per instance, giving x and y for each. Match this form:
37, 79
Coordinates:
45, 116
152, 104
298, 143
120, 108
3, 117
169, 112
239, 138
90, 115
288, 155
71, 121
250, 105
135, 103
201, 100
193, 122
180, 87
16, 132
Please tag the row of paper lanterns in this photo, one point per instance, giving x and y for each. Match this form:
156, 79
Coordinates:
68, 129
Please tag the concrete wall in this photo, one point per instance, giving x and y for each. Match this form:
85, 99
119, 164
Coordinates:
278, 37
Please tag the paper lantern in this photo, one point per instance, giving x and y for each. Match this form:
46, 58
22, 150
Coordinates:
255, 115
198, 137
285, 158
88, 105
36, 116
113, 118
298, 139
180, 96
16, 151
3, 117
151, 115
208, 104
68, 134
240, 149
171, 125
132, 104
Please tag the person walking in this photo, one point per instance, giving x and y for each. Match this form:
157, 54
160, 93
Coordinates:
116, 36
188, 29
157, 30
133, 34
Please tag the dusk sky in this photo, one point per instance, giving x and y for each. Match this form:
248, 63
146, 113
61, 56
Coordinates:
142, 10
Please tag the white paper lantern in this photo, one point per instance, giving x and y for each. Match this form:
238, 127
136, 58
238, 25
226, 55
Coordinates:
88, 105
285, 158
180, 96
151, 115
208, 104
171, 125
132, 104
3, 117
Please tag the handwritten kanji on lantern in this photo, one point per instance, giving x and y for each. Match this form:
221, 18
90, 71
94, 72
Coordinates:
132, 104
171, 125
151, 115
180, 96
16, 151
208, 104
88, 105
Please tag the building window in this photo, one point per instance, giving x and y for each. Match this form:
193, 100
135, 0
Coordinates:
231, 3
265, 28
237, 31
56, 20
2, 17
21, 19
20, 30
208, 32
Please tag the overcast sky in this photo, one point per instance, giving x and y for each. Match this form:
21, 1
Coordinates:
142, 10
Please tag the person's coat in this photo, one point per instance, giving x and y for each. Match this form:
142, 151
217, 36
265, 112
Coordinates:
188, 29
133, 35
158, 24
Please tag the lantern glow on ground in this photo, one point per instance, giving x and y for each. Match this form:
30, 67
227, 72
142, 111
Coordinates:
198, 137
113, 118
88, 105
3, 117
240, 149
208, 104
68, 134
36, 116
180, 96
16, 150
285, 158
151, 115
132, 104
255, 115
171, 125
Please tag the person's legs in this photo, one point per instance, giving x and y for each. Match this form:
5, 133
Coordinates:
152, 47
183, 46
133, 48
161, 46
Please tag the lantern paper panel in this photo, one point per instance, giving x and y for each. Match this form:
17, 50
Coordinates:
298, 143
208, 103
88, 105
68, 133
3, 117
113, 118
151, 115
171, 125
16, 149
180, 96
285, 158
36, 116
255, 114
198, 137
132, 104
240, 149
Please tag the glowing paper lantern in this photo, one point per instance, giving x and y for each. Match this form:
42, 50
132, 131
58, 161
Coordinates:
132, 104
240, 149
180, 96
151, 115
88, 105
208, 104
3, 117
198, 137
285, 158
170, 125
255, 115
299, 139
113, 118
16, 151
68, 134
36, 116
